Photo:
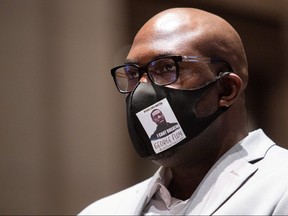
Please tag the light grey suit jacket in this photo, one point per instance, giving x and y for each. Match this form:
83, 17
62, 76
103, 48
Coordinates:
251, 178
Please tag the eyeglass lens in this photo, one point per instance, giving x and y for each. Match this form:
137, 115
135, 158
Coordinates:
161, 71
127, 77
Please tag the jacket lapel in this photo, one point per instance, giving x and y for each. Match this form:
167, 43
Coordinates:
138, 199
228, 183
142, 196
228, 175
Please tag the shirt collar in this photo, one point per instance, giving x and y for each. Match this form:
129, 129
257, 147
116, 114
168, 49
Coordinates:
163, 178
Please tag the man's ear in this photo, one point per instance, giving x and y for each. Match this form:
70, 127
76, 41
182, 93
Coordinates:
231, 87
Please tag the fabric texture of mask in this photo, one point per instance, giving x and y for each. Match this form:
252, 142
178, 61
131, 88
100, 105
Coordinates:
176, 107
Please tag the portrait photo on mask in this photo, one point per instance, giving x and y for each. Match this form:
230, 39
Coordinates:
161, 125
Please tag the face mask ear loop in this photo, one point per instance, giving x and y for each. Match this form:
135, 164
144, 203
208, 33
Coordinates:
222, 74
219, 110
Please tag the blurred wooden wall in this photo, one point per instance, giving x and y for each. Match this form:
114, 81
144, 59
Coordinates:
62, 120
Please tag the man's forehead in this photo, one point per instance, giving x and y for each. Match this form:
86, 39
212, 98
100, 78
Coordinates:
156, 112
146, 49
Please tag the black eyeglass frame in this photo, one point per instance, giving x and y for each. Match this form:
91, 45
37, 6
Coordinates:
176, 59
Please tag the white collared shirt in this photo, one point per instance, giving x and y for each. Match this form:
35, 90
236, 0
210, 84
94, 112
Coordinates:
161, 201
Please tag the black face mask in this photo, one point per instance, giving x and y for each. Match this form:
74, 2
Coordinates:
177, 105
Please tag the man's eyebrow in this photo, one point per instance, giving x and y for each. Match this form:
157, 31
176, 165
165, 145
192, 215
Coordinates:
130, 61
133, 61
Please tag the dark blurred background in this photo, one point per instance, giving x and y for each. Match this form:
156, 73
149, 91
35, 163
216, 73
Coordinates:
63, 137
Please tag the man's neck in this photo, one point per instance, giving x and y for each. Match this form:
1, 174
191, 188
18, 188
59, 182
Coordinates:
185, 180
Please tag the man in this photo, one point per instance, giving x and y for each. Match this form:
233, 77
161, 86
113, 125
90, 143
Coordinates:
194, 63
164, 128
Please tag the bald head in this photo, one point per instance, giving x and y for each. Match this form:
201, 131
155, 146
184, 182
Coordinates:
188, 31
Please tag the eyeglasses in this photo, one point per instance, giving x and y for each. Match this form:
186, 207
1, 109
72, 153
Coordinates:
161, 71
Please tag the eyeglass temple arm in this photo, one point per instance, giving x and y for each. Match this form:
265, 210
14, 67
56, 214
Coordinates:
206, 60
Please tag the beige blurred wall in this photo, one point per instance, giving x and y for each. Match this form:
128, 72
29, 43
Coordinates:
63, 137
63, 133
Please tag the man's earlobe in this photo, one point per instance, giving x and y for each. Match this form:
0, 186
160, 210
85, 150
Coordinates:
231, 88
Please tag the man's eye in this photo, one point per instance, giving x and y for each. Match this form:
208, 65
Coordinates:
167, 68
132, 73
